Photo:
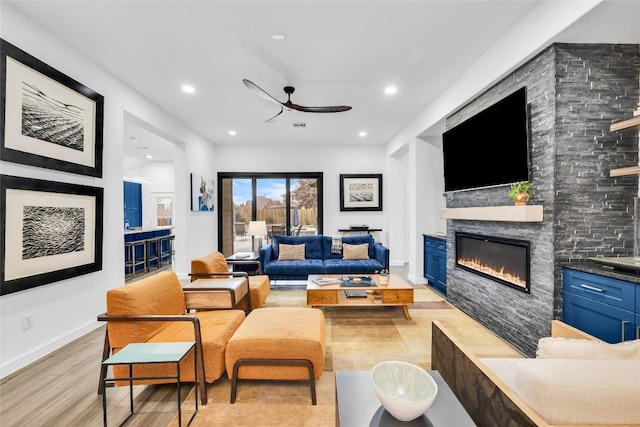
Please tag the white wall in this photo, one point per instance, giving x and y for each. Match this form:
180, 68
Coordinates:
397, 206
331, 160
520, 43
65, 310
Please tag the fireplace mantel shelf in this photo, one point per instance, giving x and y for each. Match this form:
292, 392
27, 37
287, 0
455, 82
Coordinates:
528, 213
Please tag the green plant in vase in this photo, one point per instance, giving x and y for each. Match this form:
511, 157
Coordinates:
521, 192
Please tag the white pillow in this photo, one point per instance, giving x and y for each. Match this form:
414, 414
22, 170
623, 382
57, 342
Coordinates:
570, 348
565, 391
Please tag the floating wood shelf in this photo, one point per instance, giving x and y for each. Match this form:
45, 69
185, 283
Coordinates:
629, 124
633, 170
528, 213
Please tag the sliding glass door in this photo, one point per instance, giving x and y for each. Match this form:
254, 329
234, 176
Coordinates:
255, 207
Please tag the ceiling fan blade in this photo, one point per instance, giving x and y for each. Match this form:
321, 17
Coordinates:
328, 109
256, 89
274, 117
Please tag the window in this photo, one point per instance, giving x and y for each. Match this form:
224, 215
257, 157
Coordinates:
164, 209
289, 203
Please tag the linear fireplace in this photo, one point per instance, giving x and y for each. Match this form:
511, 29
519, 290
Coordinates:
503, 260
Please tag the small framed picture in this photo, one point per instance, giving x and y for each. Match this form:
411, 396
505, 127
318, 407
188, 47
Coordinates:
361, 192
201, 193
48, 119
50, 231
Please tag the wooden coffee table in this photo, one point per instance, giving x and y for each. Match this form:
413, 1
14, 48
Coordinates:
397, 293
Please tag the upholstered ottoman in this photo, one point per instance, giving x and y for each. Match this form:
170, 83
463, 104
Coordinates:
278, 343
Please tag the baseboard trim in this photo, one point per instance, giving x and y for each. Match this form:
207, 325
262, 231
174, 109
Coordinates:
417, 280
36, 354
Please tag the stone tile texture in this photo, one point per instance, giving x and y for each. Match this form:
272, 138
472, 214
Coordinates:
575, 92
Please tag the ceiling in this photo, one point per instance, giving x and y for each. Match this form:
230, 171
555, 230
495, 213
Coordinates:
334, 53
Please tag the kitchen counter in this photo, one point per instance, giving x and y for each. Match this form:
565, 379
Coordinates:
628, 273
442, 236
146, 229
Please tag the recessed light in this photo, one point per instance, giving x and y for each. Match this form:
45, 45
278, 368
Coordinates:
277, 37
233, 133
188, 89
362, 134
148, 156
390, 90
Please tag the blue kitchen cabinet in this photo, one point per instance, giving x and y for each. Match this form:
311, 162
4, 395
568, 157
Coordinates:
604, 307
132, 204
435, 262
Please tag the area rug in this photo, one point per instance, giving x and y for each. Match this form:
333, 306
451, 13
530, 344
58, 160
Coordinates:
357, 338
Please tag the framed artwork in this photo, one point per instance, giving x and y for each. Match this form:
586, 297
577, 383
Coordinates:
51, 231
360, 192
48, 120
201, 193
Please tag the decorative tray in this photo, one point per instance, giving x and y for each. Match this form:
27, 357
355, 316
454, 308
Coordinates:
357, 281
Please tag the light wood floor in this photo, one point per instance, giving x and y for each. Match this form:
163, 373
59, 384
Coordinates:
61, 390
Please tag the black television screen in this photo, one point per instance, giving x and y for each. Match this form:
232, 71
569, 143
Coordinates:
490, 148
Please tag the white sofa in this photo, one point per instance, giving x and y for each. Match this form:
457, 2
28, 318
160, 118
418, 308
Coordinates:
576, 380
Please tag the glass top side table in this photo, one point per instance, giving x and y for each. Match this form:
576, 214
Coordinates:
143, 353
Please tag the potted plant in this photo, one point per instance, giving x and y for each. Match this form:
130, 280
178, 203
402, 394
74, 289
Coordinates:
520, 192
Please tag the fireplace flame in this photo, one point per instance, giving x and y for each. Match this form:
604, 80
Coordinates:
499, 273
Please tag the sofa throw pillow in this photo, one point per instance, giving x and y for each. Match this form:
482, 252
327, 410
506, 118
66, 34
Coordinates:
571, 348
291, 252
355, 251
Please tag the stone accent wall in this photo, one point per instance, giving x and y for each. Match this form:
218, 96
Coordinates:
574, 93
596, 86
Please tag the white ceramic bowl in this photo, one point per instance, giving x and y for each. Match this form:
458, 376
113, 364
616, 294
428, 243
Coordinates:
405, 390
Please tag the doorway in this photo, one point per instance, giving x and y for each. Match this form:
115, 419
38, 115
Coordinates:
288, 203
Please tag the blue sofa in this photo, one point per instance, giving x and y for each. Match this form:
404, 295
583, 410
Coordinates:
319, 259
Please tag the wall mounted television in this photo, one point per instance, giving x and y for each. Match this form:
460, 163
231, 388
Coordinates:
490, 148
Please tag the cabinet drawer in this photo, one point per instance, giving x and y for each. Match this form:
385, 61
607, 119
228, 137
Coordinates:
598, 319
401, 296
322, 297
617, 293
438, 244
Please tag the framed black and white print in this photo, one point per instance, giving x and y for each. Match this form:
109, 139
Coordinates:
48, 120
360, 192
50, 231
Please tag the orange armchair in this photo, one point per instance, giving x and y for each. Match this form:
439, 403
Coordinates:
215, 265
154, 310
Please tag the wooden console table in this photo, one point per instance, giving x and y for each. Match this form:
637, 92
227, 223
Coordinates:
348, 231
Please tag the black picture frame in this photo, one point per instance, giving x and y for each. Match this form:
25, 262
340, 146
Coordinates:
50, 231
360, 192
71, 137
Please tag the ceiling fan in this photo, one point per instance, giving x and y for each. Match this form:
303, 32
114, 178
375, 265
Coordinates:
290, 105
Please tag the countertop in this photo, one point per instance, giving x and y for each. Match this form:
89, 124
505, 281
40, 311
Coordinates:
146, 229
588, 266
442, 236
